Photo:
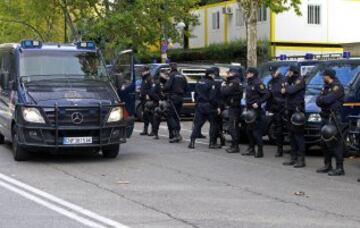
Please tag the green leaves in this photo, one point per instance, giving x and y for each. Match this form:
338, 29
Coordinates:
138, 24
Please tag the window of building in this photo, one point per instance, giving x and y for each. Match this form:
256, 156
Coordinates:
314, 14
262, 13
216, 20
240, 20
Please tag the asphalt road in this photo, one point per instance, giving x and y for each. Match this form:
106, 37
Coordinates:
157, 184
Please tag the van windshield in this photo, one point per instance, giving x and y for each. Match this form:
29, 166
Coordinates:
35, 65
345, 72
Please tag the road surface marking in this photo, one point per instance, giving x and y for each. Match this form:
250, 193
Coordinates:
68, 210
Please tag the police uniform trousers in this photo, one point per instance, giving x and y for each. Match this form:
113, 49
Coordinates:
219, 126
296, 135
173, 120
333, 148
234, 130
204, 112
156, 120
255, 130
278, 120
147, 115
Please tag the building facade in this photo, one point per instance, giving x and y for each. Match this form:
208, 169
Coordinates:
323, 26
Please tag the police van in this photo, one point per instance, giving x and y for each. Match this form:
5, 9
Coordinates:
60, 97
347, 71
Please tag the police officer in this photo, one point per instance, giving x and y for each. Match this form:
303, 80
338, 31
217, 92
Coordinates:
256, 95
145, 100
276, 106
158, 98
175, 88
219, 120
330, 101
206, 108
231, 92
294, 91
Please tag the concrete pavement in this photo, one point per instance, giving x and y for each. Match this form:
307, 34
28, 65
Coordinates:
157, 184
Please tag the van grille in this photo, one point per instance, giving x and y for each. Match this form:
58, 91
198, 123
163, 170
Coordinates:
90, 116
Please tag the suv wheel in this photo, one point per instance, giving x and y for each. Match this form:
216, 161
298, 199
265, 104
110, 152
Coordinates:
18, 151
111, 151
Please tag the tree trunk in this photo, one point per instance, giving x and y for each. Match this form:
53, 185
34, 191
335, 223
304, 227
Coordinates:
252, 34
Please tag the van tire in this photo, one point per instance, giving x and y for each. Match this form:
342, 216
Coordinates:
111, 151
18, 151
2, 139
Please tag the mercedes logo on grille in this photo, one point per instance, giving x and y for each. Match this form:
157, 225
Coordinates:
77, 118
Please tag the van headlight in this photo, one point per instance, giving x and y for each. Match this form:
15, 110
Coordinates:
116, 115
315, 118
32, 115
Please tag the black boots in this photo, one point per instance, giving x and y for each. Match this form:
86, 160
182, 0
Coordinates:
279, 152
249, 152
259, 153
233, 149
145, 131
326, 168
156, 136
177, 137
339, 171
300, 162
214, 145
222, 140
192, 144
297, 163
291, 162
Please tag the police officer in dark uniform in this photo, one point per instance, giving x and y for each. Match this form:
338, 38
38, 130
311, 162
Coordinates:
206, 108
276, 106
231, 92
294, 91
158, 98
175, 88
256, 95
330, 101
146, 103
219, 121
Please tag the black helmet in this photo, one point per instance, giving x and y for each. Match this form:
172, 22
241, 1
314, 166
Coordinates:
225, 114
158, 111
298, 119
164, 106
149, 105
328, 132
249, 116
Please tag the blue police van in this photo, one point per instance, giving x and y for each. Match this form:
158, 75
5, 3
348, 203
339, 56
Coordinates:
347, 71
60, 97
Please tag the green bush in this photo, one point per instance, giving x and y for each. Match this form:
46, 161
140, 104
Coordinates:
220, 53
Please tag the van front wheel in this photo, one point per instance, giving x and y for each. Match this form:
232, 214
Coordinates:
111, 151
18, 151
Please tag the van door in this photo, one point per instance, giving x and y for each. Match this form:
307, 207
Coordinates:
6, 93
123, 76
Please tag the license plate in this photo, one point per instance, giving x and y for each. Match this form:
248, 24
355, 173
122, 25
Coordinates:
77, 140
